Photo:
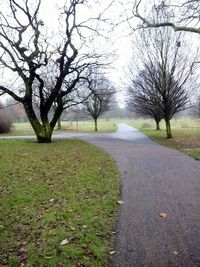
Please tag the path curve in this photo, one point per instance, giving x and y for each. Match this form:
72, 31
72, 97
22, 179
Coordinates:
155, 179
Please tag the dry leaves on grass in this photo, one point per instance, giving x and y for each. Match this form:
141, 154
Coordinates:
64, 242
67, 241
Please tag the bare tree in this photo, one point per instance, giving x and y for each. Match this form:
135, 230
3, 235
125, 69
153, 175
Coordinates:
161, 86
143, 98
26, 52
101, 97
174, 95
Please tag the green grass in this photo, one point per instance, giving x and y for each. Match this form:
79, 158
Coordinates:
185, 131
104, 126
88, 126
52, 192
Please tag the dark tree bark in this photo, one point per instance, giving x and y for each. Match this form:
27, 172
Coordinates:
168, 128
157, 123
59, 126
95, 125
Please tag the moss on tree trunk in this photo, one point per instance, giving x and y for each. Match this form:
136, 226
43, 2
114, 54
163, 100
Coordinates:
42, 130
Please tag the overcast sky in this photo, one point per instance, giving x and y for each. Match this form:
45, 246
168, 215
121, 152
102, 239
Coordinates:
117, 41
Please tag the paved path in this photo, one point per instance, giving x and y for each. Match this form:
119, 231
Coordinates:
155, 179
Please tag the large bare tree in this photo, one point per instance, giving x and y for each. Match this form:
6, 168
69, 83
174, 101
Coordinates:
143, 98
28, 53
163, 82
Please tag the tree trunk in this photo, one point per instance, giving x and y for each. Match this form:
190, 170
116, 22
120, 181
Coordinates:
95, 123
59, 126
45, 135
43, 131
157, 124
168, 129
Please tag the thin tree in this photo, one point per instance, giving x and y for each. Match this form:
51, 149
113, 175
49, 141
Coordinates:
26, 52
101, 97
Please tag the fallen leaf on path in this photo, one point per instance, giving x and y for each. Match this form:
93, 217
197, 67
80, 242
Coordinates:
120, 202
176, 252
163, 215
112, 252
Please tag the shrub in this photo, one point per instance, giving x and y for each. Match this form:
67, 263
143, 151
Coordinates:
5, 123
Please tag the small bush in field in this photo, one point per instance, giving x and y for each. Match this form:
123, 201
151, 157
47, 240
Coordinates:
5, 123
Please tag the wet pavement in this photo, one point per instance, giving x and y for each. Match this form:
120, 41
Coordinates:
154, 180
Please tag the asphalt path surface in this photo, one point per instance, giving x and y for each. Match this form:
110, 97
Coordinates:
154, 180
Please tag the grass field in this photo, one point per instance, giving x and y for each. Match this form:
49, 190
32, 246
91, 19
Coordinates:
68, 126
58, 204
88, 126
185, 131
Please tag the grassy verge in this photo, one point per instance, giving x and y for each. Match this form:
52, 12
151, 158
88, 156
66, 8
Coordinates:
58, 204
186, 135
